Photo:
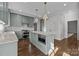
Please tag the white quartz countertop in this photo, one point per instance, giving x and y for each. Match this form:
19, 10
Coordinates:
8, 37
43, 33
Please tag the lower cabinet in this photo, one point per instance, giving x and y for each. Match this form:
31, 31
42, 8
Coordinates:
8, 49
18, 34
22, 34
44, 46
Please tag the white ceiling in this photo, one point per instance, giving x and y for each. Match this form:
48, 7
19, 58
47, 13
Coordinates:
52, 7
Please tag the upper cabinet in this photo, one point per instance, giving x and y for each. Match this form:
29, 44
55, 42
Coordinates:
15, 19
4, 13
20, 20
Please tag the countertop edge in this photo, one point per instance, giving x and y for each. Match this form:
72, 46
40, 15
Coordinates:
7, 42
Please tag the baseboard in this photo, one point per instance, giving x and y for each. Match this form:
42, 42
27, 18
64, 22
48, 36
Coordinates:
60, 38
65, 37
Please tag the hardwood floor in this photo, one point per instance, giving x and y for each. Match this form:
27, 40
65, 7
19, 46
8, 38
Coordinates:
68, 46
25, 48
72, 42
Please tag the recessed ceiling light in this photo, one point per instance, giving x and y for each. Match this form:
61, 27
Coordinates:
65, 4
48, 12
20, 10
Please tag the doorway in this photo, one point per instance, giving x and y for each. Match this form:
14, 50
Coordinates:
72, 35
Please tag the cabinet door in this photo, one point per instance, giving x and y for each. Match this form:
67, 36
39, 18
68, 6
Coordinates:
50, 44
4, 13
33, 37
19, 34
9, 49
15, 19
1, 10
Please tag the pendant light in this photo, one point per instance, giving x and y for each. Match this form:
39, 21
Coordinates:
45, 17
36, 18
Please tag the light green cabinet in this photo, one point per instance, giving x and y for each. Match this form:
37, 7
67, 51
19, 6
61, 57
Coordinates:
1, 10
15, 20
20, 20
46, 48
33, 37
9, 49
18, 34
4, 13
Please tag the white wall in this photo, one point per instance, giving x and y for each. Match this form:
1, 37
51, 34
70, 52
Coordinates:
72, 16
78, 24
54, 25
57, 22
78, 30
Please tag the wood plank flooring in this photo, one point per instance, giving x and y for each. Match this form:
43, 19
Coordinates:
25, 48
68, 46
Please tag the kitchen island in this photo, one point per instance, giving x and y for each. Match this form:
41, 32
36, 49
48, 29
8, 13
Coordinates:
43, 41
8, 44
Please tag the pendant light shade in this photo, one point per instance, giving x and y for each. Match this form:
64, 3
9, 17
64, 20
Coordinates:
36, 18
45, 17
